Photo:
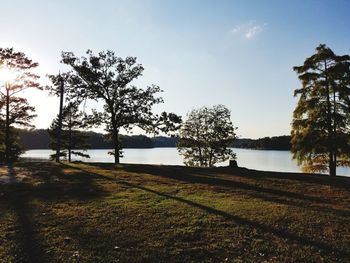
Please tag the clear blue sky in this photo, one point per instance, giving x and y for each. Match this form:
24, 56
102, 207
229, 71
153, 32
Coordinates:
236, 53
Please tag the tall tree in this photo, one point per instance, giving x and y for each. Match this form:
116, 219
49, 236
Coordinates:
206, 135
73, 139
320, 129
20, 114
16, 75
58, 89
107, 78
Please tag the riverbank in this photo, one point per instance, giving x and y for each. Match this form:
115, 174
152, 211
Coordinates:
149, 213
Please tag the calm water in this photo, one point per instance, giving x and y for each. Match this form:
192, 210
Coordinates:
279, 161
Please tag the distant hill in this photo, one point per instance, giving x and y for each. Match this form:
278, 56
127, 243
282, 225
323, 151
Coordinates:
39, 139
34, 139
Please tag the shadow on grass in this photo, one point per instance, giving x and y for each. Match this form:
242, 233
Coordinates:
47, 183
28, 247
197, 175
320, 179
281, 233
209, 177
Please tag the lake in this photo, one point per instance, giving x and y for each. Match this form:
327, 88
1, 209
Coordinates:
265, 160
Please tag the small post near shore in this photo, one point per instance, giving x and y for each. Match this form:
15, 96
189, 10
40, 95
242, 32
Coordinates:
233, 164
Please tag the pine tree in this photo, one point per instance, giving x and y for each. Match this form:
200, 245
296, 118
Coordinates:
16, 76
58, 89
320, 129
20, 114
72, 136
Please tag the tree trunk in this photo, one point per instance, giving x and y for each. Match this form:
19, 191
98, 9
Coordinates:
210, 158
199, 148
7, 125
70, 139
335, 147
58, 147
329, 126
116, 146
333, 170
115, 134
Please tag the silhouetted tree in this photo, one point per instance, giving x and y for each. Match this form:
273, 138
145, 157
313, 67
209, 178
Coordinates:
19, 114
2, 137
58, 90
72, 138
206, 135
107, 77
320, 128
15, 110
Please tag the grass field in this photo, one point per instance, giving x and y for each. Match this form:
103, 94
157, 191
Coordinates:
145, 213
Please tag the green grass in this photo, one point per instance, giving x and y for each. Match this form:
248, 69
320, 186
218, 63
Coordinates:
144, 213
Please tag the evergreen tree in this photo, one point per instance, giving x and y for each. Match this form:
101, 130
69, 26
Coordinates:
15, 76
20, 114
206, 135
72, 136
58, 90
320, 134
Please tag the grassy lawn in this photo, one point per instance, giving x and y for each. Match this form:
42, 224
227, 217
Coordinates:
145, 213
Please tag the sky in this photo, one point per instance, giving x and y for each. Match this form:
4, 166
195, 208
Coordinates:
236, 53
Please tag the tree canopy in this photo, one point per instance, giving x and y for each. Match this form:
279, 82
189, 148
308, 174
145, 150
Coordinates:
17, 75
320, 127
206, 135
107, 78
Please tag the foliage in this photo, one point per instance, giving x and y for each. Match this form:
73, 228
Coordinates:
320, 128
14, 110
106, 77
20, 115
206, 135
21, 67
16, 148
73, 121
58, 89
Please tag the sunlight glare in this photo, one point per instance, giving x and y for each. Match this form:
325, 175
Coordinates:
7, 74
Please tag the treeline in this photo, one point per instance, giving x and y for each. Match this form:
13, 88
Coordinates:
266, 143
39, 139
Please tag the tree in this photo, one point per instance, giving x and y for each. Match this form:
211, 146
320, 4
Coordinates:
16, 75
58, 90
320, 134
206, 135
72, 138
106, 77
19, 113
61, 88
